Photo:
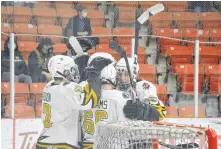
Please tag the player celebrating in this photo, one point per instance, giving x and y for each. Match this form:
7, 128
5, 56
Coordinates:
146, 91
62, 99
110, 109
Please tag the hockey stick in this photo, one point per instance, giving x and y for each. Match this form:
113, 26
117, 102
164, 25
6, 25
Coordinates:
75, 45
114, 46
139, 21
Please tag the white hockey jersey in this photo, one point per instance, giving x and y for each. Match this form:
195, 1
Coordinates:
110, 109
60, 114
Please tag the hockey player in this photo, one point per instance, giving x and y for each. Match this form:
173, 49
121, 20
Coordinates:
110, 108
62, 99
145, 90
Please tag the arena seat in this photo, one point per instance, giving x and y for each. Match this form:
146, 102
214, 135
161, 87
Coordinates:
140, 53
96, 17
36, 90
148, 72
47, 29
167, 32
66, 14
60, 48
21, 92
185, 19
188, 111
124, 31
161, 20
63, 4
105, 48
6, 28
209, 55
43, 4
176, 6
127, 4
3, 14
171, 112
192, 33
185, 78
21, 28
44, 15
210, 19
147, 4
21, 111
179, 54
213, 78
126, 16
26, 47
102, 31
162, 92
22, 15
215, 34
89, 4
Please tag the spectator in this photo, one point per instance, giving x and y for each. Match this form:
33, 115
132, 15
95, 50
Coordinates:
38, 61
80, 26
21, 71
201, 6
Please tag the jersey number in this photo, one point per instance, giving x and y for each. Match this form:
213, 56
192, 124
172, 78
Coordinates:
47, 111
88, 124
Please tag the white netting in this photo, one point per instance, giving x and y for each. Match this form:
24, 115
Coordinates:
146, 135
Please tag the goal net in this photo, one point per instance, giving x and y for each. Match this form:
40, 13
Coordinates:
147, 135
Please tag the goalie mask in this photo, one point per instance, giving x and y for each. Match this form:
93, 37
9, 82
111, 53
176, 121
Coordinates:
108, 75
123, 77
61, 66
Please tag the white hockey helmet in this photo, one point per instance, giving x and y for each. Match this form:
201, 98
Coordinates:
61, 66
108, 74
102, 54
145, 90
121, 65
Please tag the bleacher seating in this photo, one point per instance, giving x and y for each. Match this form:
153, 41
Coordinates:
26, 47
47, 29
59, 48
148, 72
44, 15
126, 32
99, 31
36, 90
49, 18
22, 28
22, 15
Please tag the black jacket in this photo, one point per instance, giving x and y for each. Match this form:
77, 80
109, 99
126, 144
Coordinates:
72, 27
37, 64
20, 66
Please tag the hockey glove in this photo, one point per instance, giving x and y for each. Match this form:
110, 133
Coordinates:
96, 65
140, 111
81, 60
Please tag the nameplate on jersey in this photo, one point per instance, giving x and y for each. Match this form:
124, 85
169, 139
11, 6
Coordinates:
46, 97
103, 104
